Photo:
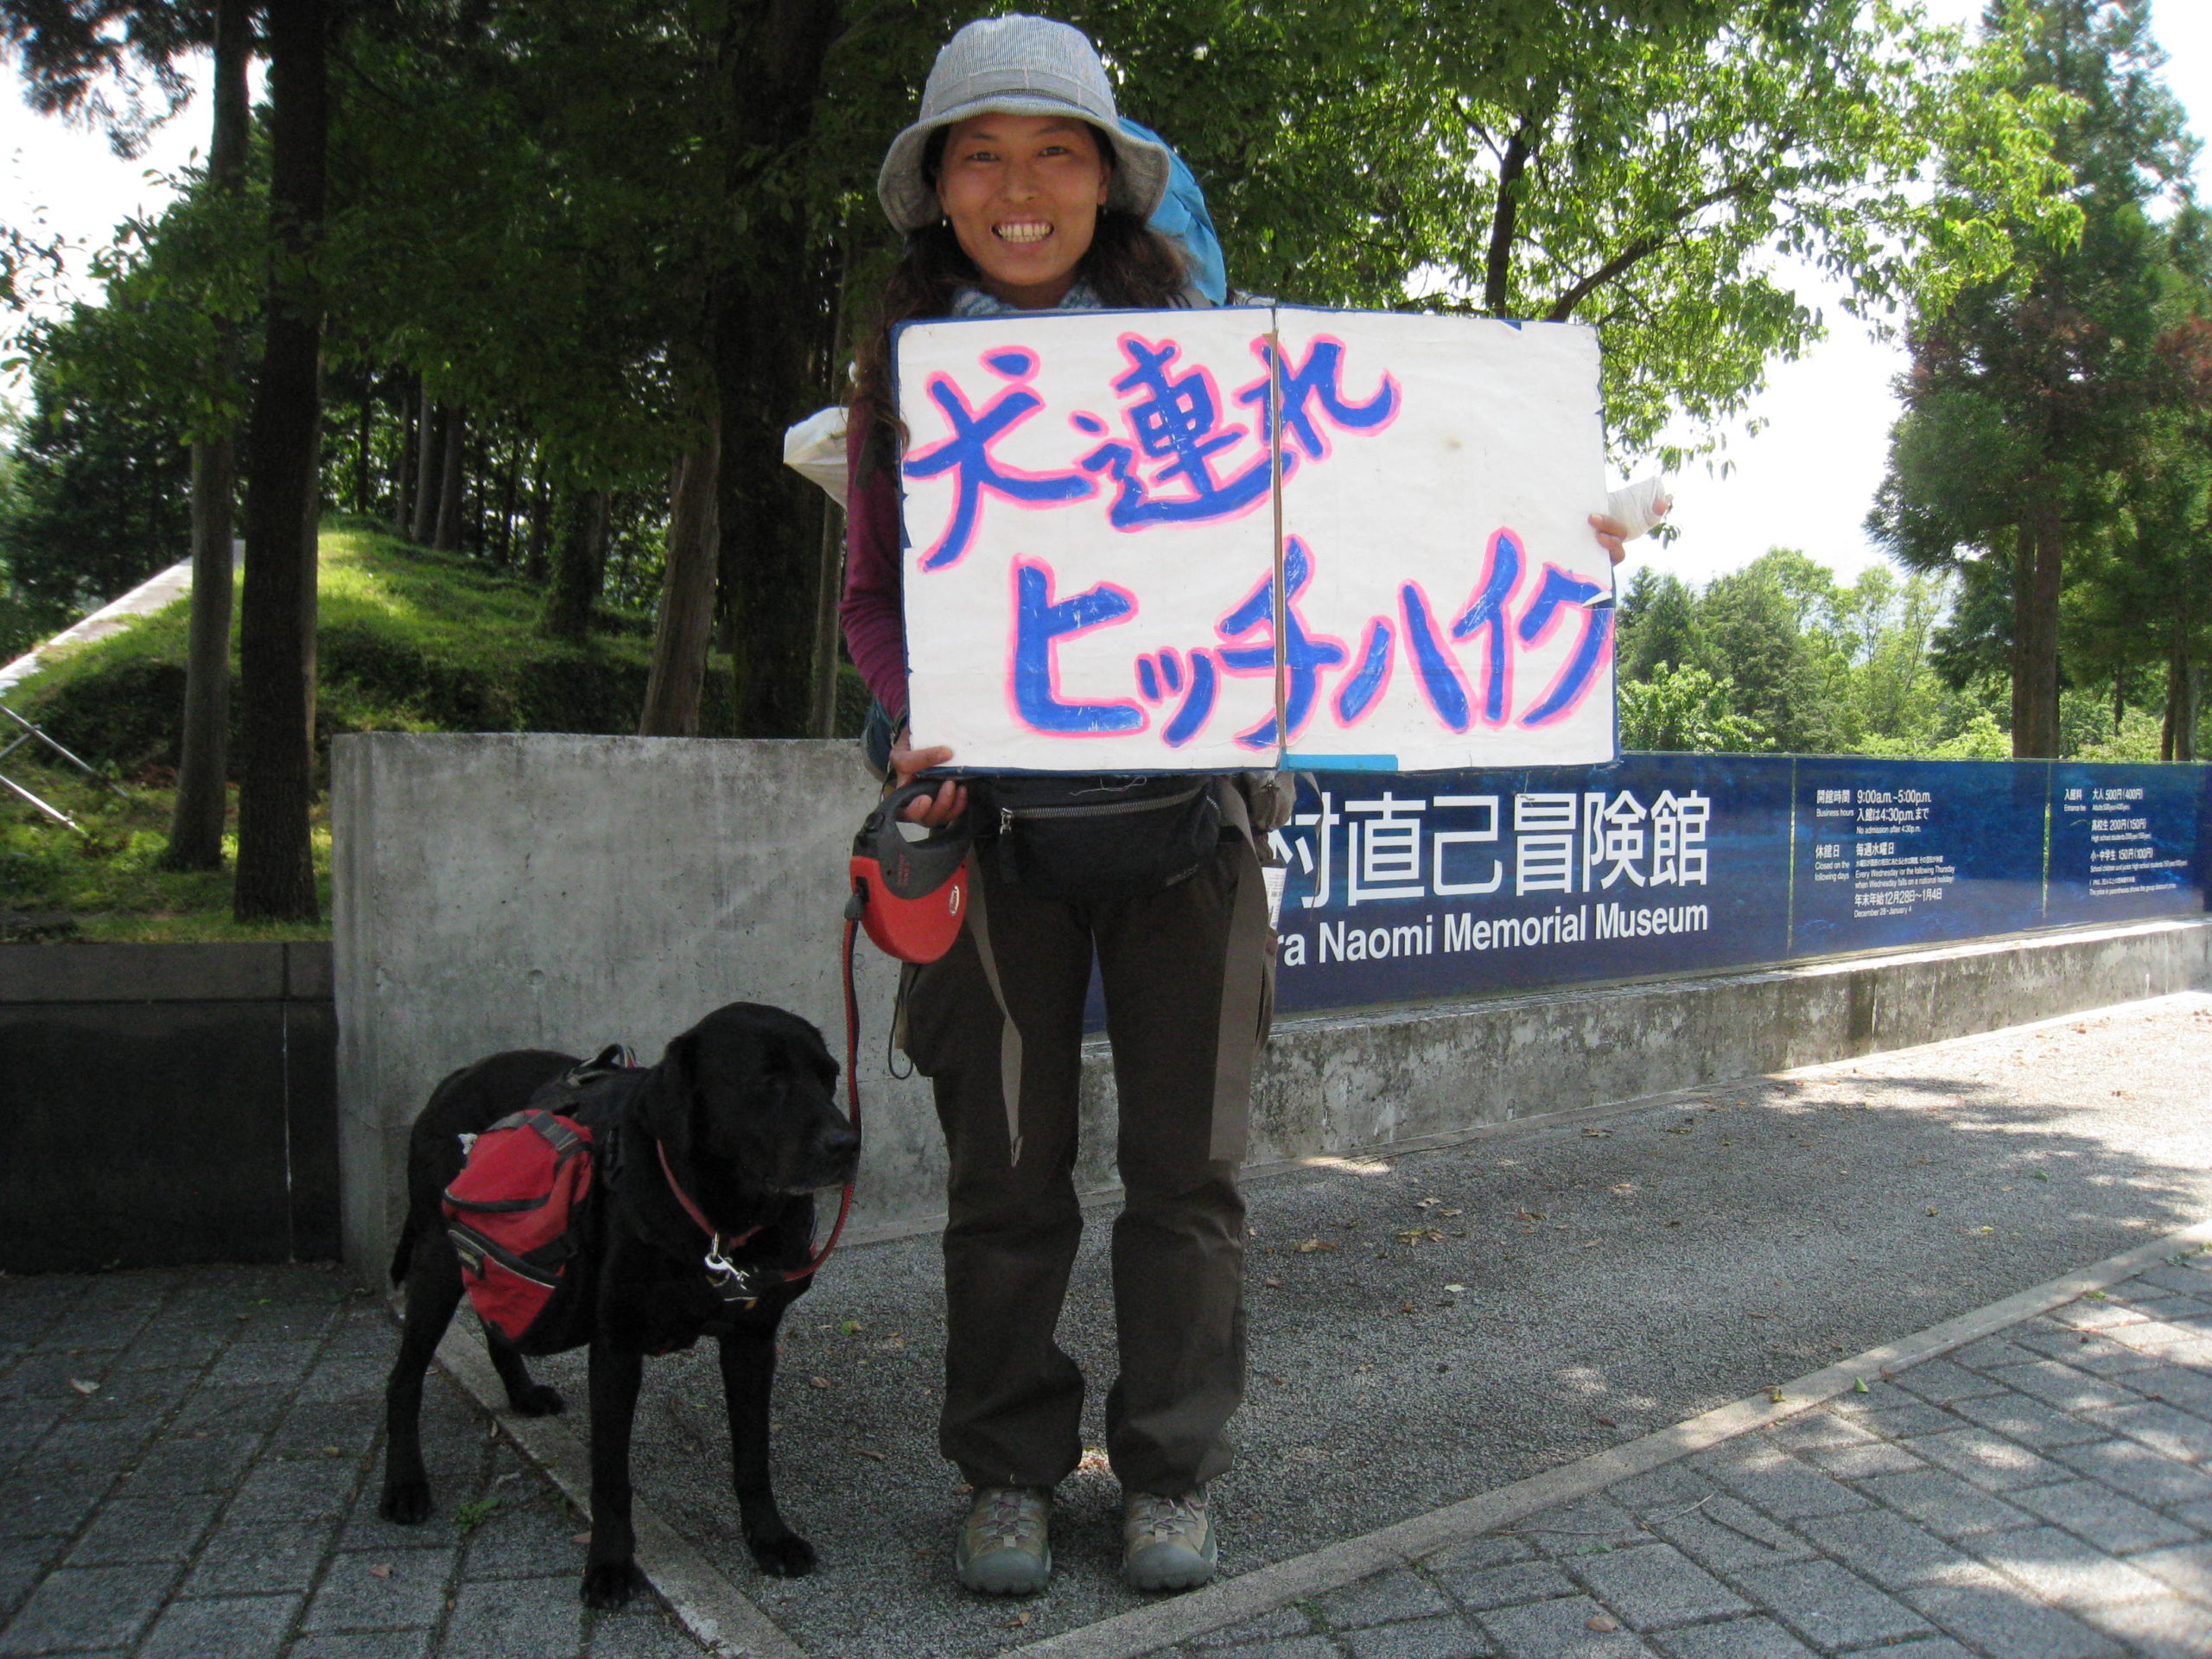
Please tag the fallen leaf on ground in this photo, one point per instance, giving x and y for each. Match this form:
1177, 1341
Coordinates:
817, 1382
868, 1451
384, 1572
1606, 1423
1597, 1134
1775, 1394
1018, 1621
1602, 1625
581, 1538
1455, 1289
1451, 1212
1421, 1235
1859, 1385
1426, 1204
852, 1327
84, 1387
1314, 1244
1623, 1189
1272, 1284
1529, 1215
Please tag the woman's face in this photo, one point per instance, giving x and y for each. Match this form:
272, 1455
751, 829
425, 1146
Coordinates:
1023, 193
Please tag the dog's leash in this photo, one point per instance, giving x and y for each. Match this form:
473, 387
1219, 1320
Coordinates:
740, 1286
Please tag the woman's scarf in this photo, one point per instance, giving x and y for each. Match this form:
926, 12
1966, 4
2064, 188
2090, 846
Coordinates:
975, 302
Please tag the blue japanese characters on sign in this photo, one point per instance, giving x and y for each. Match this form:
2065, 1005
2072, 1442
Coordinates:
1124, 527
1413, 887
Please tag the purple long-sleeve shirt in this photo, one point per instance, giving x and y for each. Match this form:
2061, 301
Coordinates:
873, 610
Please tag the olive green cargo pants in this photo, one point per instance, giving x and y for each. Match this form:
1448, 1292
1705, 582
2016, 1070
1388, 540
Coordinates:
997, 1027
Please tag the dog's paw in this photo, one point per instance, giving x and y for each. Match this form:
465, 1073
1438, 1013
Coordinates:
788, 1557
538, 1400
405, 1503
611, 1584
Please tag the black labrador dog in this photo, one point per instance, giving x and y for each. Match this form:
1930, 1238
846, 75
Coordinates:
740, 1122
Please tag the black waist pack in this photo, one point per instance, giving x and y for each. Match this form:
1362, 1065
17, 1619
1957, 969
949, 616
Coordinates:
1084, 839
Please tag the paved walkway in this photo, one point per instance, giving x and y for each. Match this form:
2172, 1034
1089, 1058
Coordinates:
188, 1469
2035, 1494
188, 1458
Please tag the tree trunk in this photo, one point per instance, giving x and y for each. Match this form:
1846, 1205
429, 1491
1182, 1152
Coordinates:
196, 821
577, 567
429, 454
2037, 573
276, 873
828, 588
366, 438
445, 537
410, 435
687, 595
2184, 708
764, 314
196, 818
541, 530
507, 482
1497, 262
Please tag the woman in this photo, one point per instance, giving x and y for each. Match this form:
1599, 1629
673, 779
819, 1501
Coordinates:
1014, 197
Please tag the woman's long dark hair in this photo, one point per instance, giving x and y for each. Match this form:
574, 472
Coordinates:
1129, 264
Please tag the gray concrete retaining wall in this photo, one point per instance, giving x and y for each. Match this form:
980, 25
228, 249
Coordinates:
166, 1104
503, 891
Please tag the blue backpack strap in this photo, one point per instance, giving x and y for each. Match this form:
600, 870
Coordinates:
1182, 218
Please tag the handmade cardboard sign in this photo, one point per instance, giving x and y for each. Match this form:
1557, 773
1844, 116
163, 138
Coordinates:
1213, 540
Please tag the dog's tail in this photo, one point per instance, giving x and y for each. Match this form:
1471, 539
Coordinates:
403, 1252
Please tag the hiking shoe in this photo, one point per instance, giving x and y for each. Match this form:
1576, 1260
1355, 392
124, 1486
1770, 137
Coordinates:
1002, 1549
1169, 1543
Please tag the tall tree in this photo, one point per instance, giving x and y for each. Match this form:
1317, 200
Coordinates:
2027, 391
197, 819
276, 873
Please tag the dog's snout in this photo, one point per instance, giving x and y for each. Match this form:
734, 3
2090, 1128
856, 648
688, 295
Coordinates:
838, 1149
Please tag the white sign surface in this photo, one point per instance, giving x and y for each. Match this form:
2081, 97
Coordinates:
1147, 540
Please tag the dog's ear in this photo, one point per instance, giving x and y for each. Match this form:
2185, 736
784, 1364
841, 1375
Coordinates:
666, 1102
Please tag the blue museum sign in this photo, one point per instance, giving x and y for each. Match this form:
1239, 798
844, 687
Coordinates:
1420, 886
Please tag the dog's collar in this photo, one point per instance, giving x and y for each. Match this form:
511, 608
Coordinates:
733, 1283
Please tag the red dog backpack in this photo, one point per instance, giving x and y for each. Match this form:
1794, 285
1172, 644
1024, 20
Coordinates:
511, 1215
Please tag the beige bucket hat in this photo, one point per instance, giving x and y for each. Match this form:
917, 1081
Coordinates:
1017, 65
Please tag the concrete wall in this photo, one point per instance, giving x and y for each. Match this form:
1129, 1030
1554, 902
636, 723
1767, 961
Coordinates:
503, 891
166, 1104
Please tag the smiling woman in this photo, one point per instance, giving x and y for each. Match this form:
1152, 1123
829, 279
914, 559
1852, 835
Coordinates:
1022, 194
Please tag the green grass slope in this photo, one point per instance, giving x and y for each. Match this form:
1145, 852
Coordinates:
406, 641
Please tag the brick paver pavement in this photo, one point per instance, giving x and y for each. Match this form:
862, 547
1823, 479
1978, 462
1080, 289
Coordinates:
188, 1469
2042, 1493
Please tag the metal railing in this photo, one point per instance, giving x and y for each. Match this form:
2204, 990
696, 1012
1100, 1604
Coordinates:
33, 733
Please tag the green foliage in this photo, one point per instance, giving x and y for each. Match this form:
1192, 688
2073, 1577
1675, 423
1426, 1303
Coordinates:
1684, 708
2044, 450
97, 501
1805, 663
